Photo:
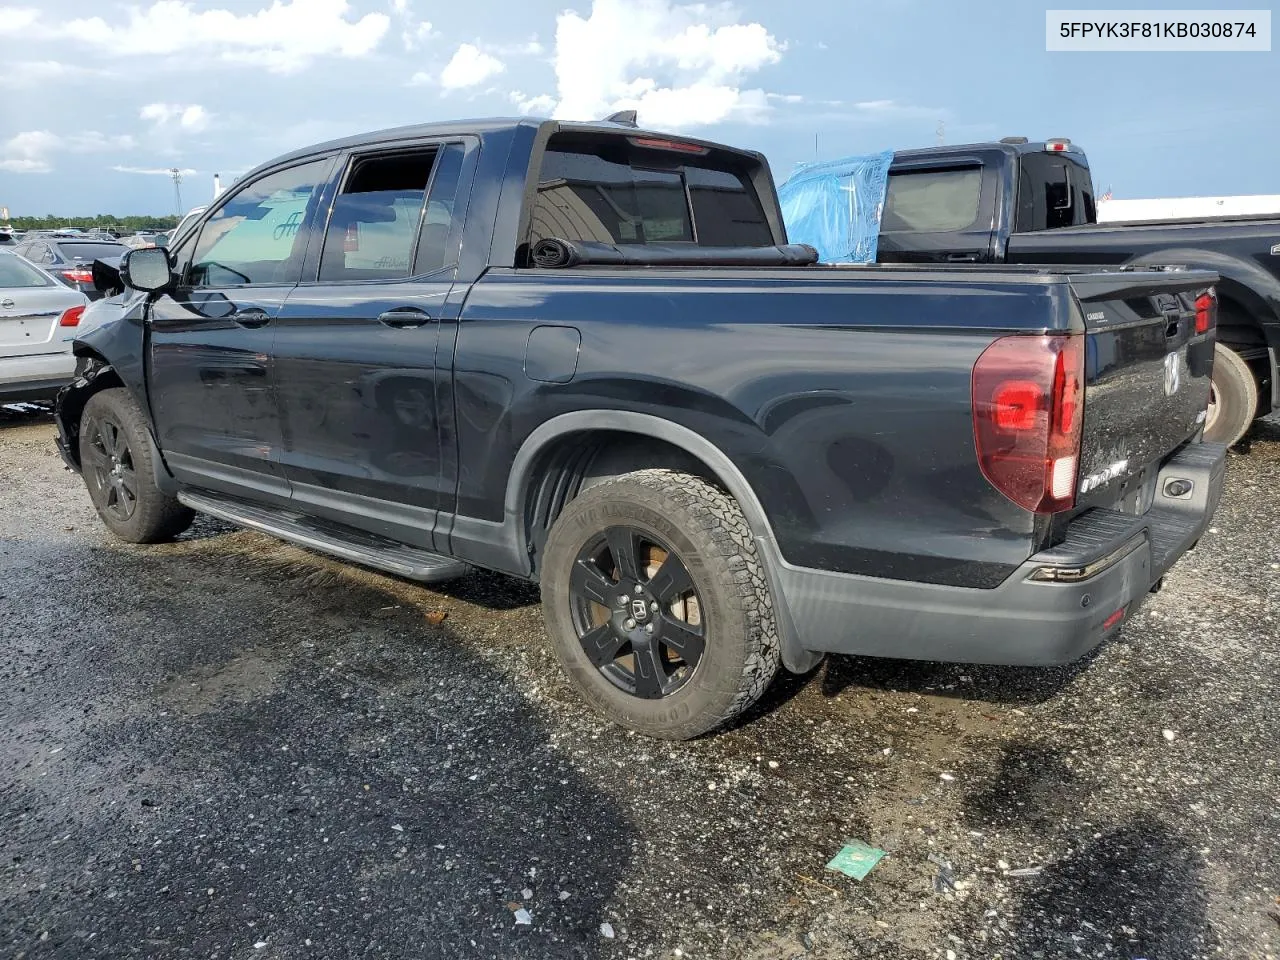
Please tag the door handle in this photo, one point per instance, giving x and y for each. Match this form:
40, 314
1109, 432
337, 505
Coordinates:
404, 317
251, 317
962, 258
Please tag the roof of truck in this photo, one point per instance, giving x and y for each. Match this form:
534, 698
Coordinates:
1008, 146
481, 127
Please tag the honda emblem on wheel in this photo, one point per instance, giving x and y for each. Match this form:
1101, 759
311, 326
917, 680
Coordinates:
1172, 374
639, 610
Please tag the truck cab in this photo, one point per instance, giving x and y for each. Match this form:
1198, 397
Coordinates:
968, 203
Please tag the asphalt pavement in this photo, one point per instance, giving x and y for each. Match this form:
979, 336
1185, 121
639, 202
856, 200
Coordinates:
226, 747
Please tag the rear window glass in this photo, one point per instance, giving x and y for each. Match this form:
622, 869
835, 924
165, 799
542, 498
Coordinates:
931, 201
610, 191
76, 250
17, 273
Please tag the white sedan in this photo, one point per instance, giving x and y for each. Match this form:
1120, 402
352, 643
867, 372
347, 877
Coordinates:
37, 317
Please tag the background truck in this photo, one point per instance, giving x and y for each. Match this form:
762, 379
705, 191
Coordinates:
583, 354
1020, 202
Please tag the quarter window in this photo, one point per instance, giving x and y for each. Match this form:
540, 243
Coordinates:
260, 234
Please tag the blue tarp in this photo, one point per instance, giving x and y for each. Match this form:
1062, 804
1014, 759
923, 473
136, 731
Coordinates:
834, 206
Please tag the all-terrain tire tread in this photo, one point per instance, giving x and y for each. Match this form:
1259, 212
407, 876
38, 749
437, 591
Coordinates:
721, 520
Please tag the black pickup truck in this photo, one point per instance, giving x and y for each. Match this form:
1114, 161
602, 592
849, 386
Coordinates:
584, 354
1021, 202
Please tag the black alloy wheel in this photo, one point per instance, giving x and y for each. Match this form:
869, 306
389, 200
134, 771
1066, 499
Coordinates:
637, 612
109, 466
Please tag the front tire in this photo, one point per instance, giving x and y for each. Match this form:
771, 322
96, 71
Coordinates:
117, 462
1233, 403
657, 604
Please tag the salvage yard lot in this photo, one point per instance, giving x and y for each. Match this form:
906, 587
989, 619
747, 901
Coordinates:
228, 747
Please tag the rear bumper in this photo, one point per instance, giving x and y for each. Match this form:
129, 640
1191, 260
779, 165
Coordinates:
35, 377
1024, 621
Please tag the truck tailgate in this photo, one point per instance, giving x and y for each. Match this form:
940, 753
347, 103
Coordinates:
1147, 376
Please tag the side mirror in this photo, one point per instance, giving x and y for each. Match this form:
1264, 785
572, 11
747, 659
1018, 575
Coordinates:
147, 269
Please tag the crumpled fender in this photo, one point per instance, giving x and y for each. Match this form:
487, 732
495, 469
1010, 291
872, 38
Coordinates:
113, 355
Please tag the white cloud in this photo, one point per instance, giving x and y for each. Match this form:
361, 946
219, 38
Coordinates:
24, 165
523, 48
539, 106
678, 66
91, 141
31, 150
28, 152
17, 19
189, 117
469, 67
284, 37
155, 171
399, 6
416, 36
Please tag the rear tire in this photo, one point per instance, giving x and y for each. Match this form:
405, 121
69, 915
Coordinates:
1233, 404
712, 650
117, 461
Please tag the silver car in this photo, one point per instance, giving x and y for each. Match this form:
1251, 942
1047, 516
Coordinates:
37, 320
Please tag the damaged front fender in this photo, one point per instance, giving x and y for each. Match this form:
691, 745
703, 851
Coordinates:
112, 355
92, 374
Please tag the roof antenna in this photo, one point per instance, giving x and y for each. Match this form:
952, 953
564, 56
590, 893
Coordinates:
625, 117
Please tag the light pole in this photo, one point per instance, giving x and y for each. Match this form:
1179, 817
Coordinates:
176, 174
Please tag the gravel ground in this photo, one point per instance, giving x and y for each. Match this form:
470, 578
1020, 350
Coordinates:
227, 747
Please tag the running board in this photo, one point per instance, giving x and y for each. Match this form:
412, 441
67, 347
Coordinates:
357, 546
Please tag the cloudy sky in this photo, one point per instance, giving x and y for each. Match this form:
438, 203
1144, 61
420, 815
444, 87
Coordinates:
99, 99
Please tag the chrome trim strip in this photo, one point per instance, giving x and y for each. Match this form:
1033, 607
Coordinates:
1077, 574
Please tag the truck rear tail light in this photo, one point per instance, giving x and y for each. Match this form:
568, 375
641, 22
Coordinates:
1028, 396
1057, 145
1206, 312
79, 275
71, 317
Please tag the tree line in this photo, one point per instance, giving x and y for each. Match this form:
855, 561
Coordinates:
102, 221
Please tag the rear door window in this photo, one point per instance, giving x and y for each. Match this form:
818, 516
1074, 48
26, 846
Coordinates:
611, 190
393, 217
932, 201
375, 218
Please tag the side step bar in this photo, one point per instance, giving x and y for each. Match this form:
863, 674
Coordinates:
355, 545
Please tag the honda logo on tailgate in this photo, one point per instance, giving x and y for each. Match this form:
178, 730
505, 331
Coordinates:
1172, 374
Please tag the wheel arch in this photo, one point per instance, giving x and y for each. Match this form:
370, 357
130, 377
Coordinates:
568, 453
95, 375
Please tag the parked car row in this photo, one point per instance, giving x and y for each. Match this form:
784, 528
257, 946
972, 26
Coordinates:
70, 260
587, 355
